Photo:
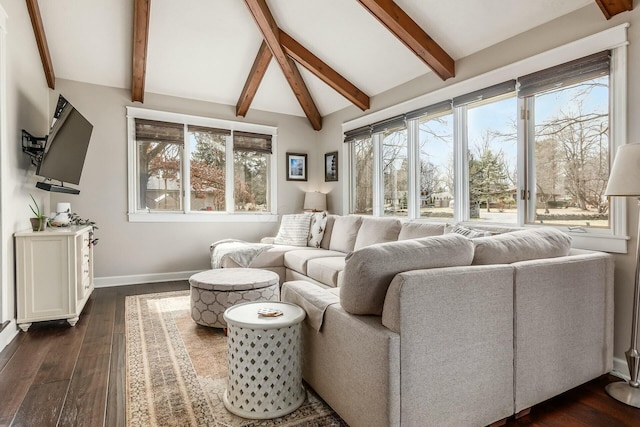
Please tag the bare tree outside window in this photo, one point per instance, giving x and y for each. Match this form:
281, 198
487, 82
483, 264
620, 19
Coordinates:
395, 171
435, 135
363, 176
572, 155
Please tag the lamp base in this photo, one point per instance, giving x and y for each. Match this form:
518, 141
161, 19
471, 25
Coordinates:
623, 392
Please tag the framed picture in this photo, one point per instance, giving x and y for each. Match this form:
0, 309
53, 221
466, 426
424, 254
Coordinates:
296, 167
331, 166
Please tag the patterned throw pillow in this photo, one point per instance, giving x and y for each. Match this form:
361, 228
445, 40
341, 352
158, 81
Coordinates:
471, 233
294, 230
316, 230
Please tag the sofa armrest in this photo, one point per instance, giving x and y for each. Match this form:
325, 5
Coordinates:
563, 324
268, 240
454, 322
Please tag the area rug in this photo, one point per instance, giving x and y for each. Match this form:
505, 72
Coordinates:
177, 370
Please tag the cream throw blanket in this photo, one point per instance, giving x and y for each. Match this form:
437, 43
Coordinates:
241, 252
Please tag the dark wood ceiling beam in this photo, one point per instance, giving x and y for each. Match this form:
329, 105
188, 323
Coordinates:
41, 41
271, 33
141, 12
323, 71
414, 37
611, 8
259, 68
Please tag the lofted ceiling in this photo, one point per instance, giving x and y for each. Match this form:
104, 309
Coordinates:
204, 50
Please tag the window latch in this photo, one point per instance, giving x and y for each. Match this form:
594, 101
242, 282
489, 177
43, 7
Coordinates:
524, 194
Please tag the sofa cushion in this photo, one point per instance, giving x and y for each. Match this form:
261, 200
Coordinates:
326, 270
294, 230
368, 271
297, 259
522, 245
344, 233
272, 257
377, 230
416, 230
316, 229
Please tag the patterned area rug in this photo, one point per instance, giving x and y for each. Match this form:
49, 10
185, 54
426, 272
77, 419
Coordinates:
177, 370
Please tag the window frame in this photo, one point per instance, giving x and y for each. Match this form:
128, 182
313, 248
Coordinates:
612, 239
186, 215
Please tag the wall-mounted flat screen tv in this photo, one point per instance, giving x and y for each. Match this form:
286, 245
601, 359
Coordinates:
66, 148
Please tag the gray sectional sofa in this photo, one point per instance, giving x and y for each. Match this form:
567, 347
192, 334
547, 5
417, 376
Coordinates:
409, 326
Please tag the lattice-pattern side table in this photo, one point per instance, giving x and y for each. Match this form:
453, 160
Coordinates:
265, 371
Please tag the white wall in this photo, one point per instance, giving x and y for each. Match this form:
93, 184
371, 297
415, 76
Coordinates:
138, 250
27, 107
581, 23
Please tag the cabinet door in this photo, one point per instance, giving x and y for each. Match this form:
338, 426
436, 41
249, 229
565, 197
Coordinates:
44, 272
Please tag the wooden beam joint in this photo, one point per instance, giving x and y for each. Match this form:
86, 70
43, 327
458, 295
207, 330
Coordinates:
611, 8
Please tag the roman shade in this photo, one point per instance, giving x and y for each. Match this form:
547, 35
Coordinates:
157, 131
247, 141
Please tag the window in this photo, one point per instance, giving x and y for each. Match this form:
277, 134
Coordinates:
207, 168
534, 150
492, 160
362, 170
435, 170
395, 171
160, 147
187, 165
568, 112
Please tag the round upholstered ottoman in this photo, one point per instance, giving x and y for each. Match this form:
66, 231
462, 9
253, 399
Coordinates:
213, 291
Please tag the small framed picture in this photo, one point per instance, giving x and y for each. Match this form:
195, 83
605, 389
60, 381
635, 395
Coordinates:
331, 166
296, 167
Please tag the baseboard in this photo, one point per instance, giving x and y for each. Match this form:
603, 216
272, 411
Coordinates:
106, 282
620, 368
8, 334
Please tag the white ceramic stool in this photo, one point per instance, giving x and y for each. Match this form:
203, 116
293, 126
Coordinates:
265, 371
213, 291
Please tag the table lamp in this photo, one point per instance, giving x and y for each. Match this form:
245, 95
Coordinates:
624, 181
315, 201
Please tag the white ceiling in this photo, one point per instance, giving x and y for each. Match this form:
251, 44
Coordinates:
203, 49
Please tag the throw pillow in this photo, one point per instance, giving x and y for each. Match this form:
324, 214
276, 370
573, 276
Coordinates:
316, 229
294, 230
521, 245
368, 271
471, 233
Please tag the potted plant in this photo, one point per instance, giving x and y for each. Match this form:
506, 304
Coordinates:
39, 223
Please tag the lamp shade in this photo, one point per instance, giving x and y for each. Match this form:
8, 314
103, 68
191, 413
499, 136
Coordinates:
315, 201
624, 179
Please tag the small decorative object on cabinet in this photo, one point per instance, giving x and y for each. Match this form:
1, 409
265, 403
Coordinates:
39, 222
54, 274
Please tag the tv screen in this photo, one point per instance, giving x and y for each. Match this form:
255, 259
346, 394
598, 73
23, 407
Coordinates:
66, 146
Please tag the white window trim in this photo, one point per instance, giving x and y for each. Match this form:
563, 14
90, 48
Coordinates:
613, 239
136, 216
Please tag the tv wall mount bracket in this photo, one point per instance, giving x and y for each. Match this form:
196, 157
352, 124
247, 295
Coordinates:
33, 146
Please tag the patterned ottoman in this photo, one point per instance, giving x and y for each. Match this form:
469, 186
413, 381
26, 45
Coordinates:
213, 291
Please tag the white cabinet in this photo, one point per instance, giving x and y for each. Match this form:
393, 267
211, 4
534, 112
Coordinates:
54, 274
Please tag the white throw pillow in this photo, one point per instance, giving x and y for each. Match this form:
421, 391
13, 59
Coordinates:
316, 230
294, 230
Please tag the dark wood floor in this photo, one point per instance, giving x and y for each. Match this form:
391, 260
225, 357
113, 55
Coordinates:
59, 375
